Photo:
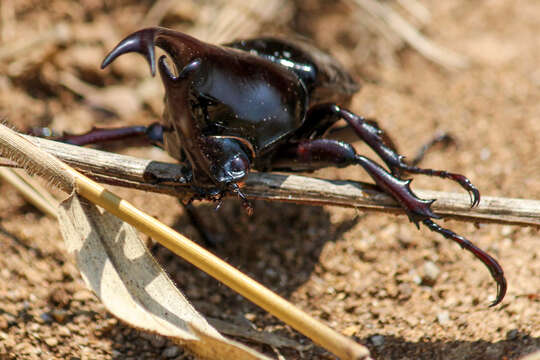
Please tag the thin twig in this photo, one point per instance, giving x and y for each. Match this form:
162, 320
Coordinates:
416, 9
151, 175
31, 191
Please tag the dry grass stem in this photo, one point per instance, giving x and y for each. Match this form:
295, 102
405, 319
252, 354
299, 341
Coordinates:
30, 190
27, 155
416, 9
412, 36
132, 172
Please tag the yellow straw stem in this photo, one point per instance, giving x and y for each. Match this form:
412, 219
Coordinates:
321, 334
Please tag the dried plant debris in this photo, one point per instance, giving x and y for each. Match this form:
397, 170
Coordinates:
118, 267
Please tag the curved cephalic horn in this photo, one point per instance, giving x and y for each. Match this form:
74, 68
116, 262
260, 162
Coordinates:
179, 46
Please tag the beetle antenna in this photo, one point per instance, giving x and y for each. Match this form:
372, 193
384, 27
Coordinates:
219, 203
245, 202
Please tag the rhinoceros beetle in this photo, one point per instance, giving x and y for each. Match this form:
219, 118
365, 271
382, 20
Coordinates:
265, 104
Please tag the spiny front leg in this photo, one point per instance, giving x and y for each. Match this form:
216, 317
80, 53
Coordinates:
319, 153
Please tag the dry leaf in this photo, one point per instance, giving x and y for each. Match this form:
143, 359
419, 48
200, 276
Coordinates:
117, 266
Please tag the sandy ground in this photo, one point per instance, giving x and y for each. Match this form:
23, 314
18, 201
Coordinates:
404, 293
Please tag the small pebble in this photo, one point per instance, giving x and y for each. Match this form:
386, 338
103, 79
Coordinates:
404, 291
431, 271
3, 323
64, 331
51, 342
158, 341
59, 315
351, 330
412, 320
5, 273
83, 295
443, 317
171, 352
26, 305
46, 317
377, 340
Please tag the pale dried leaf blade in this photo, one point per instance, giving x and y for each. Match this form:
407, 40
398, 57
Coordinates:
117, 266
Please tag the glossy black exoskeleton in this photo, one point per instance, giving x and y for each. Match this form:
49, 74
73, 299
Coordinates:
263, 104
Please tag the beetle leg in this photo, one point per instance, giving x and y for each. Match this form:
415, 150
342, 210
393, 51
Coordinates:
371, 133
444, 139
153, 133
493, 266
308, 155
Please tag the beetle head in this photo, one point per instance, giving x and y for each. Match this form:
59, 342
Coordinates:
230, 161
232, 169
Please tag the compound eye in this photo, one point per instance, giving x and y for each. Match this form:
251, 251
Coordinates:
238, 167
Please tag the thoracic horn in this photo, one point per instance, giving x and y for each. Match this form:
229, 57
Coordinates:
181, 48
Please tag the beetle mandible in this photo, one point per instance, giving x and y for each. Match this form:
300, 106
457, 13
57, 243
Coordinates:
264, 104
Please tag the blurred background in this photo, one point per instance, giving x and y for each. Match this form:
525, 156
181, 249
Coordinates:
425, 66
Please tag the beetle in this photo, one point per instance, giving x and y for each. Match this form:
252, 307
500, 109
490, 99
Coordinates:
267, 104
